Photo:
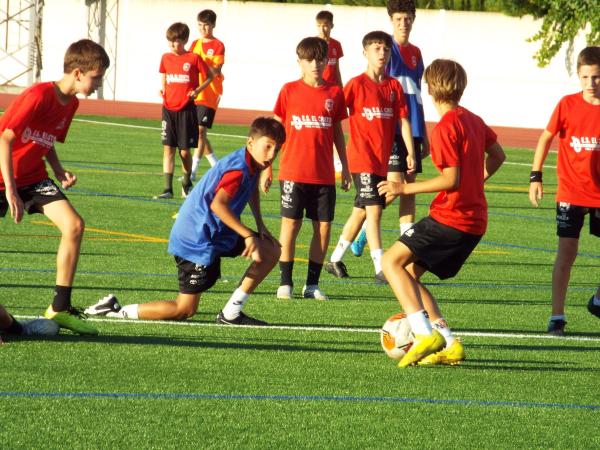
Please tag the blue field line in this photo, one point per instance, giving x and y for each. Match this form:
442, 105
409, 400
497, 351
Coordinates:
96, 167
298, 398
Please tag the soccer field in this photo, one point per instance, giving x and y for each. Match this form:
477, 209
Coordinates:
317, 378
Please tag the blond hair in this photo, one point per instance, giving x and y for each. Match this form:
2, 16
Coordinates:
446, 80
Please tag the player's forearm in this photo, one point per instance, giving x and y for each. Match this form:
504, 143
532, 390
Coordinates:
340, 143
6, 165
407, 137
254, 203
541, 150
495, 158
52, 158
448, 180
223, 212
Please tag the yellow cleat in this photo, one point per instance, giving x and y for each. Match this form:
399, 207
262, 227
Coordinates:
424, 345
72, 319
450, 356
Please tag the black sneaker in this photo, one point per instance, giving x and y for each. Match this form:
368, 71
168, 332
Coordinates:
242, 319
380, 278
593, 309
164, 196
185, 190
337, 269
557, 327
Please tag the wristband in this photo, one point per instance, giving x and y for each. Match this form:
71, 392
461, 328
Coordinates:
535, 176
249, 236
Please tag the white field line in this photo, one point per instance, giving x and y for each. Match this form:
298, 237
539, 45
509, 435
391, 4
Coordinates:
332, 329
527, 164
143, 127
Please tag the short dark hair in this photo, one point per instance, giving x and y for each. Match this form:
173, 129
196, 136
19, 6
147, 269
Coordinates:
401, 6
207, 16
178, 31
85, 55
324, 15
446, 80
312, 48
268, 126
589, 56
376, 37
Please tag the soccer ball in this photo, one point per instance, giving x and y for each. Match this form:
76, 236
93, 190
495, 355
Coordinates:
396, 336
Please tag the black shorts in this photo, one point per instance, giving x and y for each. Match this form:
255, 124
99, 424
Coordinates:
366, 190
317, 199
34, 196
205, 116
196, 278
440, 249
397, 161
180, 128
569, 220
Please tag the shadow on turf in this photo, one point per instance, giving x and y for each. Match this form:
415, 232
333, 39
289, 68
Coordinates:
52, 252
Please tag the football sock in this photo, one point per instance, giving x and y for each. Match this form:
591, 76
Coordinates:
596, 301
195, 164
404, 227
15, 327
235, 304
212, 159
419, 323
442, 326
376, 256
314, 273
340, 249
285, 270
126, 312
62, 298
186, 179
558, 317
168, 182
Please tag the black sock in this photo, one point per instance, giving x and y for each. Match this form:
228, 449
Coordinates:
168, 182
285, 269
186, 180
62, 298
15, 327
314, 273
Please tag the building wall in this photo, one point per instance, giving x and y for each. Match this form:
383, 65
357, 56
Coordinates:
505, 85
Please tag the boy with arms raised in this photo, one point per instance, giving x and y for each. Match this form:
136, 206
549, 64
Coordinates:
311, 111
376, 106
576, 119
208, 227
29, 127
212, 52
406, 65
180, 73
441, 242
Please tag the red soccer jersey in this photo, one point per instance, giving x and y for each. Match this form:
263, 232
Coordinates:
37, 119
459, 140
232, 180
182, 73
411, 55
577, 123
308, 114
213, 54
374, 110
334, 53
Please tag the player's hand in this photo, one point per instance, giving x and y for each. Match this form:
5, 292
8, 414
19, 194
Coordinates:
16, 206
536, 193
264, 233
346, 180
425, 149
390, 188
410, 164
266, 179
251, 250
67, 179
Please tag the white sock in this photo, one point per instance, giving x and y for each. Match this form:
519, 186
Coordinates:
234, 306
126, 312
404, 227
195, 164
596, 301
442, 326
340, 249
558, 317
212, 159
376, 256
419, 323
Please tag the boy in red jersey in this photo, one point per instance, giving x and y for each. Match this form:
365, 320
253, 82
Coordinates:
441, 242
181, 71
31, 124
576, 119
376, 105
311, 111
331, 74
212, 52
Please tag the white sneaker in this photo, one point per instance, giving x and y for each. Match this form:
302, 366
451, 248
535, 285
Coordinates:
105, 305
284, 292
313, 291
39, 327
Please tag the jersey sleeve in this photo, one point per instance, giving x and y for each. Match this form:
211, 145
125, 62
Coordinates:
444, 147
490, 137
280, 104
349, 96
556, 122
22, 113
341, 112
401, 105
341, 51
202, 67
230, 182
162, 68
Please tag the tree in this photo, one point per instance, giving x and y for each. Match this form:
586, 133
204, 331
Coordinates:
562, 20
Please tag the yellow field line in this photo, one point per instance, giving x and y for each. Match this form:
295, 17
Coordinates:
137, 237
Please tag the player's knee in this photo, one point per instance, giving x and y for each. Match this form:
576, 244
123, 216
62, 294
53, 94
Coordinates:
184, 312
75, 227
